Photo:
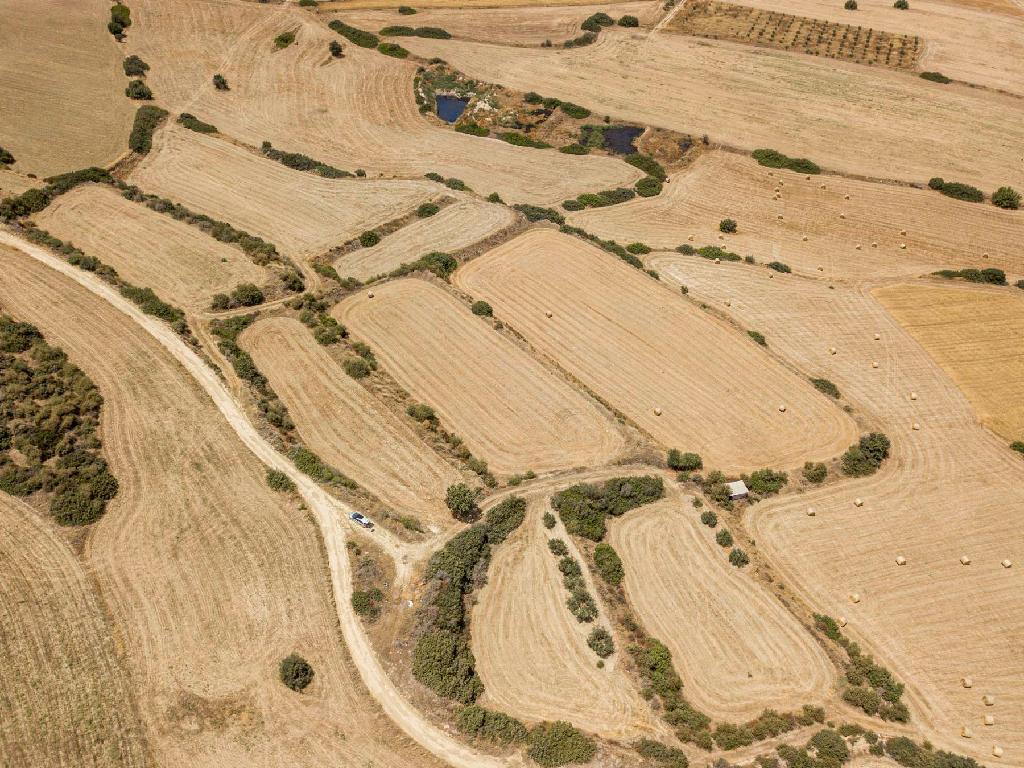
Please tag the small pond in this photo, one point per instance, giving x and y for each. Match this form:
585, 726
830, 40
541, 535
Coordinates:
620, 138
450, 108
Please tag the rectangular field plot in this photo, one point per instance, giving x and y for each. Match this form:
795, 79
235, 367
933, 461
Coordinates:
689, 380
510, 410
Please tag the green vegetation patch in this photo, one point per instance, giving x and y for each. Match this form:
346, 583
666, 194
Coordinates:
193, 123
300, 162
866, 455
989, 275
584, 507
558, 743
394, 50
357, 36
956, 190
486, 724
295, 672
771, 158
147, 118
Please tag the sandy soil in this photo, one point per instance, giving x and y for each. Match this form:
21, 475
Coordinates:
508, 24
641, 346
64, 106
180, 262
64, 697
686, 594
456, 226
941, 232
752, 97
509, 409
347, 426
210, 577
302, 100
531, 652
949, 489
977, 336
301, 213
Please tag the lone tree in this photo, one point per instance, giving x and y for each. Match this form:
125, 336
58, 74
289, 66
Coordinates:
220, 83
336, 49
1006, 197
727, 225
295, 672
138, 90
461, 501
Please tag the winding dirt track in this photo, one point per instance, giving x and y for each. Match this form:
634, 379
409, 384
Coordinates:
326, 510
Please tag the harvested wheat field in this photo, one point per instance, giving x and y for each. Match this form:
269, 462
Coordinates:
341, 5
346, 425
210, 578
503, 23
12, 183
949, 489
181, 263
977, 336
532, 653
751, 97
510, 410
645, 349
301, 213
940, 232
61, 86
456, 226
64, 697
334, 110
686, 594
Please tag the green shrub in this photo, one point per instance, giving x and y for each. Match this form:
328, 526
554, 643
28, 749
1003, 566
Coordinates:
497, 727
432, 32
220, 83
648, 187
724, 538
738, 558
427, 209
647, 164
989, 275
574, 149
295, 672
628, 21
901, 5
601, 642
120, 20
473, 129
366, 603
558, 547
134, 67
193, 123
583, 507
558, 743
310, 464
369, 239
279, 481
405, 10
815, 472
573, 205
709, 518
151, 304
503, 518
574, 110
1006, 197
935, 77
443, 662
353, 35
758, 337
308, 3
461, 502
1018, 446
866, 456
638, 248
778, 266
827, 387
397, 31
6, 158
549, 520
394, 50
771, 158
595, 22
662, 755
766, 482
335, 49
284, 39
356, 367
850, 5
957, 190
727, 225
684, 462
246, 295
710, 252
522, 140
482, 308
608, 564
147, 118
421, 412
536, 213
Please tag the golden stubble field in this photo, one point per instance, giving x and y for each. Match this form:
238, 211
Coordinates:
511, 411
210, 578
643, 348
950, 488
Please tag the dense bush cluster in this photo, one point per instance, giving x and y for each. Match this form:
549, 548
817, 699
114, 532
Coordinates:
440, 264
313, 314
243, 295
503, 518
353, 35
583, 507
956, 190
710, 252
220, 83
600, 642
866, 455
826, 387
648, 187
279, 481
6, 158
120, 20
433, 32
758, 338
284, 39
608, 245
134, 66
497, 727
482, 309
580, 602
911, 755
193, 123
765, 482
989, 275
771, 158
301, 162
647, 164
727, 225
608, 564
366, 602
815, 472
662, 755
295, 672
473, 129
146, 300
599, 199
426, 210
310, 464
49, 413
138, 90
36, 199
537, 213
595, 22
779, 266
628, 21
558, 743
147, 118
1004, 197
684, 462
522, 140
393, 50
936, 77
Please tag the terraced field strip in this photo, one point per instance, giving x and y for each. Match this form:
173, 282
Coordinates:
688, 379
347, 426
181, 263
509, 409
454, 227
977, 336
738, 650
950, 489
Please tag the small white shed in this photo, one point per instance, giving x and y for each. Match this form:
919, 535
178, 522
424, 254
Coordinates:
737, 490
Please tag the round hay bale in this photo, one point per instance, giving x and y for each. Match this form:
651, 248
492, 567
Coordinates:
821, 269
858, 502
771, 276
804, 238
1007, 563
965, 560
966, 682
874, 363
984, 255
832, 350
690, 238
874, 244
369, 295
846, 197
854, 597
718, 261
988, 700
823, 186
811, 512
807, 177
721, 237
990, 720
966, 732
901, 560
903, 246
856, 247
779, 217
548, 313
841, 621
657, 411
878, 336
915, 426
913, 395
842, 215
728, 303
903, 233
997, 751
782, 409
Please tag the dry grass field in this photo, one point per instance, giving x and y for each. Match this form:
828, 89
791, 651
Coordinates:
356, 112
940, 232
12, 183
531, 652
341, 5
510, 410
749, 97
63, 102
181, 263
209, 576
949, 489
685, 593
799, 34
641, 347
301, 213
456, 226
64, 697
346, 425
977, 336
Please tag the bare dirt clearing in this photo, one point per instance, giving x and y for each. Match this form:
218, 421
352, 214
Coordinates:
456, 226
687, 595
212, 586
977, 336
509, 409
61, 86
64, 698
642, 347
949, 489
302, 100
753, 97
940, 232
181, 263
346, 425
301, 213
531, 652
